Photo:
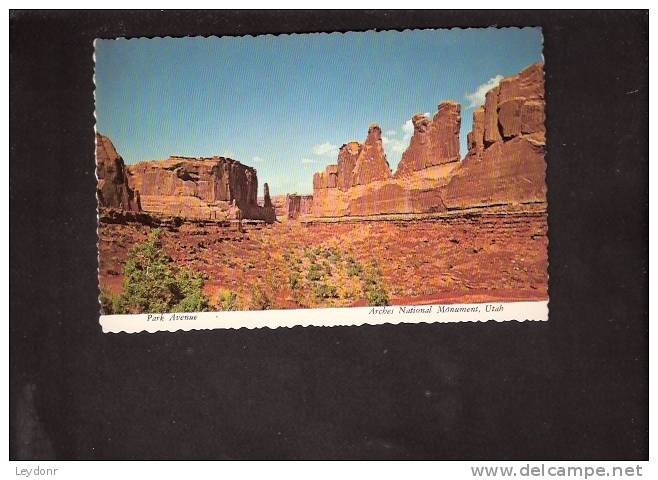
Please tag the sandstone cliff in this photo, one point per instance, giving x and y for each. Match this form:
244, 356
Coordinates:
371, 164
347, 158
434, 142
504, 164
112, 189
298, 205
358, 164
200, 188
506, 147
279, 204
361, 182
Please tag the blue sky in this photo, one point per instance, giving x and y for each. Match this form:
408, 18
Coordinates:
284, 104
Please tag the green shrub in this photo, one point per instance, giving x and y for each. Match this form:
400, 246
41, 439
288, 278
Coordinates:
322, 291
368, 280
327, 268
118, 304
293, 280
108, 302
334, 255
354, 268
310, 255
153, 283
227, 300
314, 273
373, 268
371, 281
259, 299
370, 276
377, 296
194, 302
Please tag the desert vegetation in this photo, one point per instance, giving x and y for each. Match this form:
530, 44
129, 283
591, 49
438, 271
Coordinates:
323, 276
320, 276
289, 265
154, 283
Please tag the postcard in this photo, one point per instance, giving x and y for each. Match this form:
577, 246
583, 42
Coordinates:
321, 179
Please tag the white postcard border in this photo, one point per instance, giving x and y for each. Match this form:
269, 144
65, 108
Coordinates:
327, 317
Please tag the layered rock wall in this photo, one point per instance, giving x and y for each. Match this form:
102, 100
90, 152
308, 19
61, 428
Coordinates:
279, 204
347, 158
112, 189
504, 164
434, 142
358, 164
298, 205
200, 188
371, 164
505, 161
361, 182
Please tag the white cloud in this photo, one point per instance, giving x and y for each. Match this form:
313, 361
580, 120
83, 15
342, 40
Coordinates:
308, 160
408, 128
395, 144
399, 146
325, 148
476, 98
257, 159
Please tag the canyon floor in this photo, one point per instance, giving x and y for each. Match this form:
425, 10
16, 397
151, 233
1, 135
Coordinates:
468, 258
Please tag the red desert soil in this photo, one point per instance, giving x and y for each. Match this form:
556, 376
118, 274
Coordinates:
481, 258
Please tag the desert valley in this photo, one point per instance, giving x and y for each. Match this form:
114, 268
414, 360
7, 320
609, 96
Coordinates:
439, 229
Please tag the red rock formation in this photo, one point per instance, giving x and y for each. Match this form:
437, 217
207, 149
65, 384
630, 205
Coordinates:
266, 212
416, 193
475, 138
358, 164
279, 204
505, 164
447, 122
371, 164
528, 84
418, 153
508, 173
372, 190
532, 118
517, 98
200, 188
491, 131
267, 201
209, 179
434, 142
326, 179
298, 205
347, 158
113, 190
